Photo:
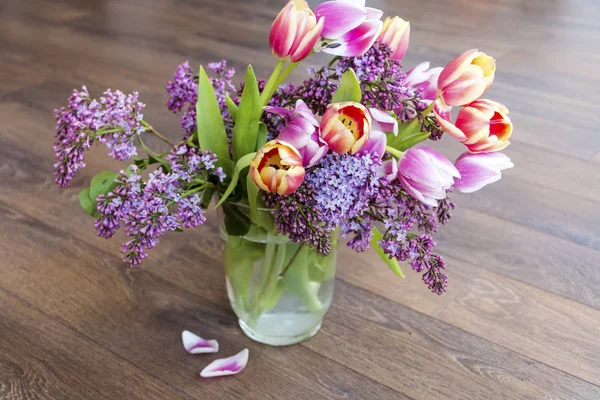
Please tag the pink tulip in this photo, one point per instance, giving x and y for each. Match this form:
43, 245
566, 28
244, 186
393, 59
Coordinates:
423, 79
381, 122
396, 34
479, 170
389, 169
277, 168
295, 31
426, 174
350, 28
483, 126
302, 132
466, 78
346, 127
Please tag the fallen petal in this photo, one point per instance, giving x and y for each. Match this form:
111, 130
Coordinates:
194, 344
226, 366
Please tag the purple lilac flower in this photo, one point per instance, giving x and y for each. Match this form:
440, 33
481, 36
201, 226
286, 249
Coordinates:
187, 163
115, 119
317, 91
183, 91
149, 209
339, 188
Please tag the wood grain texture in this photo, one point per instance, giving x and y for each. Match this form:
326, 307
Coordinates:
520, 320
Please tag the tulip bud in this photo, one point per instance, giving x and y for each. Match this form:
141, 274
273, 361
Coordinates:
426, 174
302, 132
277, 168
423, 79
295, 31
346, 126
479, 170
396, 34
466, 77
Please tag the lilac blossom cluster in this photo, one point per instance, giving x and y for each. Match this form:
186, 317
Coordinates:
352, 193
167, 201
339, 188
115, 119
183, 91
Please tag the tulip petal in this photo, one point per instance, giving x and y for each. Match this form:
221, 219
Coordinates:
479, 170
194, 344
340, 17
456, 67
357, 41
449, 127
383, 121
389, 169
373, 13
226, 366
308, 42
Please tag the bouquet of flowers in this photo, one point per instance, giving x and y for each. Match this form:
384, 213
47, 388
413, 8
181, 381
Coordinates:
294, 166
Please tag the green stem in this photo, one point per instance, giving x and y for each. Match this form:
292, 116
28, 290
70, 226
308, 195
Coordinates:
266, 96
153, 131
395, 152
289, 264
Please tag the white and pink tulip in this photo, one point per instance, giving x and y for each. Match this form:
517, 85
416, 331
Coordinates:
350, 28
302, 132
424, 79
479, 170
426, 174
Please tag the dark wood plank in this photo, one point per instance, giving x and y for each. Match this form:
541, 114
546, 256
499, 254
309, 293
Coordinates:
517, 250
140, 316
529, 320
41, 358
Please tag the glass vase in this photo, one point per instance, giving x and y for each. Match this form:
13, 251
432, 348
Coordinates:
278, 289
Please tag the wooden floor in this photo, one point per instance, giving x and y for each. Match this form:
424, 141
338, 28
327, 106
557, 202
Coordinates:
521, 319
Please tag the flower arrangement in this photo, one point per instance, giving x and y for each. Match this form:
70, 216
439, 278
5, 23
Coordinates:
344, 151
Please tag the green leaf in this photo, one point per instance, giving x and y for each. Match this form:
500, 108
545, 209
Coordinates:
349, 89
207, 196
262, 135
406, 142
253, 192
231, 106
87, 204
236, 222
211, 129
242, 163
154, 158
102, 183
391, 262
245, 131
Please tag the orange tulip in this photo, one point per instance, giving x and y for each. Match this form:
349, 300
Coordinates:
277, 168
346, 127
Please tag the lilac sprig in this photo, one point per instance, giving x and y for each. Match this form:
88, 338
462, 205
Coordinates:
167, 201
183, 91
115, 120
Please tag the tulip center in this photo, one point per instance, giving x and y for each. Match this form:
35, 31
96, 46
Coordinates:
500, 127
273, 159
351, 124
